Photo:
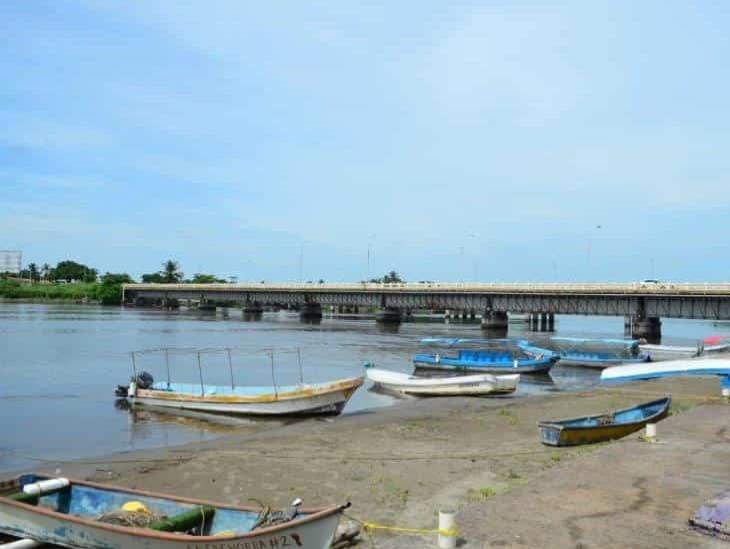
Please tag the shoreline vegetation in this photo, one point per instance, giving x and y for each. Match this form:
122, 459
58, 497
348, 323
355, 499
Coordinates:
71, 281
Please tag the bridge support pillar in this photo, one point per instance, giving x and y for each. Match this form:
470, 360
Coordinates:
310, 311
495, 323
649, 328
252, 310
389, 315
206, 306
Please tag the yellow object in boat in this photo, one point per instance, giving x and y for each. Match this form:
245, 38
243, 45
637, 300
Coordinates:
225, 533
135, 507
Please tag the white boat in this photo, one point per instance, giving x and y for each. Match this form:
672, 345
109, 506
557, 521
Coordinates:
77, 514
306, 399
482, 384
669, 368
271, 400
673, 352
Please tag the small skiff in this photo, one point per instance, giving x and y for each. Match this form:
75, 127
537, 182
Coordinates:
669, 368
674, 352
602, 427
482, 384
95, 516
598, 353
520, 359
306, 399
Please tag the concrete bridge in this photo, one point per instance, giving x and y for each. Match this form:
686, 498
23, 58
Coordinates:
642, 304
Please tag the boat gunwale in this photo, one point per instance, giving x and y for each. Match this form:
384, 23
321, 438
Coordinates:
300, 393
555, 423
315, 513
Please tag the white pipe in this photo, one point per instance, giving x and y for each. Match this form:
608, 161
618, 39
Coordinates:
22, 544
651, 431
726, 392
45, 486
447, 523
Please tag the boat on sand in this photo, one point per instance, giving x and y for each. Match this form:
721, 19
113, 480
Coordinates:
74, 513
602, 427
472, 385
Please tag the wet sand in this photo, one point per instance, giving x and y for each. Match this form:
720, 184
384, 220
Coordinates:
400, 465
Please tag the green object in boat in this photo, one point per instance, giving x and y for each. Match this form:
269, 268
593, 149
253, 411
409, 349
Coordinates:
184, 521
22, 497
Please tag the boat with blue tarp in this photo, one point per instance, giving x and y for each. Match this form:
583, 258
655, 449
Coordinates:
602, 427
76, 513
490, 356
598, 353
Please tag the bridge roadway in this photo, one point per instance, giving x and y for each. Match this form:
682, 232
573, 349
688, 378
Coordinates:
642, 302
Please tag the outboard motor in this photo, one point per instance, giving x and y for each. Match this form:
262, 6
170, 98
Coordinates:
144, 380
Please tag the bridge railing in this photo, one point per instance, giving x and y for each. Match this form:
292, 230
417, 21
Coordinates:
458, 287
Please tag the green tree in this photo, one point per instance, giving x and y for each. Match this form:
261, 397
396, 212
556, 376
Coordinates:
202, 278
389, 278
33, 273
171, 272
116, 278
152, 278
70, 270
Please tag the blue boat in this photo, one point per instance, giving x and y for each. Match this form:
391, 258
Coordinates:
602, 427
74, 513
494, 356
598, 353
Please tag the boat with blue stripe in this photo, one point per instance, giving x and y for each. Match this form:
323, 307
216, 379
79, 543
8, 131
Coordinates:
602, 427
74, 513
598, 353
669, 368
492, 356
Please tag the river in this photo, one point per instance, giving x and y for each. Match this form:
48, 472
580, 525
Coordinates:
59, 364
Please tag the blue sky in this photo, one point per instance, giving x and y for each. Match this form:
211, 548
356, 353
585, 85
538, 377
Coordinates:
456, 140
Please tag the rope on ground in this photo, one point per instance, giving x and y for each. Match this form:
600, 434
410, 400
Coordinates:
372, 526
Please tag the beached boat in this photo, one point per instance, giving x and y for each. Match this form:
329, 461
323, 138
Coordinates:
708, 346
493, 357
269, 400
307, 399
598, 353
669, 368
482, 384
602, 427
95, 516
713, 517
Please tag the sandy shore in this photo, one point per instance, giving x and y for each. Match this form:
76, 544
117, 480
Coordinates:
402, 464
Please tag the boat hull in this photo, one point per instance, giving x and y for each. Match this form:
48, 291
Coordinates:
455, 386
330, 400
315, 531
600, 363
561, 433
670, 368
510, 368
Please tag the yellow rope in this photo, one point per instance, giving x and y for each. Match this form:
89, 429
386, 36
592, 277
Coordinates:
403, 530
368, 527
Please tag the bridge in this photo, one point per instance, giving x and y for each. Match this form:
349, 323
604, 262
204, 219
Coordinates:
643, 304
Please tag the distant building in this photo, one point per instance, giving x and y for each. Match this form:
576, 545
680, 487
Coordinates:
11, 261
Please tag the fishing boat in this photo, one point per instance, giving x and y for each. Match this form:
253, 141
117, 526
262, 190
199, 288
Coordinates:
602, 427
268, 400
73, 513
713, 517
669, 368
708, 346
598, 353
482, 384
491, 356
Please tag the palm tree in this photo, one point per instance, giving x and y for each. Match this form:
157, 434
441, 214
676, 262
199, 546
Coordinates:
171, 271
33, 271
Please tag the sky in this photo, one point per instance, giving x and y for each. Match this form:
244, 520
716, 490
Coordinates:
449, 141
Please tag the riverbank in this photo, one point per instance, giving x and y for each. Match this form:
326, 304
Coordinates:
481, 456
48, 292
